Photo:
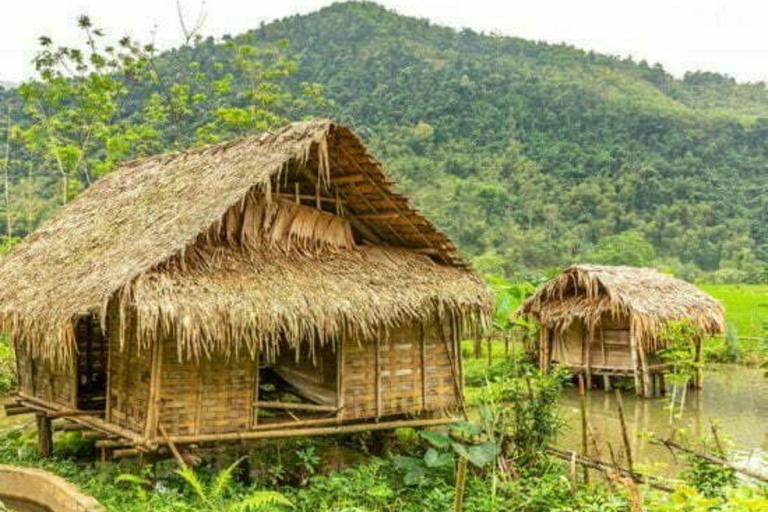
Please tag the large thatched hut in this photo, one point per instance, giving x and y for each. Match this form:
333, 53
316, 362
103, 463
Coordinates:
602, 320
275, 285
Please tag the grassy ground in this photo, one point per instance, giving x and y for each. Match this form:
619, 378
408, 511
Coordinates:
746, 306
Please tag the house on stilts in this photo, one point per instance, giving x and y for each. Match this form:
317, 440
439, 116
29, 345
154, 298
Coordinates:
271, 286
607, 321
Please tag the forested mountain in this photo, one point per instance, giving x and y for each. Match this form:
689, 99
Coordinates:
534, 155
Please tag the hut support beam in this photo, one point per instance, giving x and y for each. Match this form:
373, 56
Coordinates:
645, 375
317, 431
633, 357
698, 376
423, 350
340, 378
44, 435
378, 377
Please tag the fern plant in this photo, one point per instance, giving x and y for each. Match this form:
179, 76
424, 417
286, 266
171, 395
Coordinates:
212, 495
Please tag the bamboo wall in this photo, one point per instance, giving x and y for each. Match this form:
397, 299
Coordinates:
414, 374
40, 379
207, 397
609, 348
130, 371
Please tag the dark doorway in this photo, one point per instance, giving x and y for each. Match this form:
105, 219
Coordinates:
92, 358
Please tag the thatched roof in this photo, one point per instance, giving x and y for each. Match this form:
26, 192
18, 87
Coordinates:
151, 211
648, 297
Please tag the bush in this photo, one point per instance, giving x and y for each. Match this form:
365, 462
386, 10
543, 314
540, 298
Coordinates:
7, 366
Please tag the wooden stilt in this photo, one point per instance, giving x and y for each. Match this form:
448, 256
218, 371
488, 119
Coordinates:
662, 384
698, 376
645, 374
44, 435
633, 357
607, 383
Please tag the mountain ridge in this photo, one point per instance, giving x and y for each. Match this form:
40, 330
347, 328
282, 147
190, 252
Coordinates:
533, 155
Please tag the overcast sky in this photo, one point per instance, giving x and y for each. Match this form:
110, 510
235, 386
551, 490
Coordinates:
715, 35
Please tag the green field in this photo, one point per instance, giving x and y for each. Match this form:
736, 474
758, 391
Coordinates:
746, 306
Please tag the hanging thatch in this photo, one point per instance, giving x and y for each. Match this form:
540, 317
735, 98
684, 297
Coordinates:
151, 218
647, 297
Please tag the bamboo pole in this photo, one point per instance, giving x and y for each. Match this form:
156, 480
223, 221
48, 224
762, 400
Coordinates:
340, 391
44, 435
153, 402
90, 421
454, 368
172, 446
624, 432
606, 467
300, 432
646, 380
633, 356
423, 350
296, 406
584, 434
378, 377
670, 444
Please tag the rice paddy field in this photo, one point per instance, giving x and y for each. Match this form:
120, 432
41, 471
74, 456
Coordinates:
746, 306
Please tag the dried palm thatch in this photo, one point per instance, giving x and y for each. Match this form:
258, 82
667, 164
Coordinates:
150, 213
647, 297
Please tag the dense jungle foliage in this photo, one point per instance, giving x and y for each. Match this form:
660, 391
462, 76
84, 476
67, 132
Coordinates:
531, 155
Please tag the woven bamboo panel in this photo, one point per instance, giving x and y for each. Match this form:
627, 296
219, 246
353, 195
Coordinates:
38, 378
212, 396
130, 374
51, 384
400, 374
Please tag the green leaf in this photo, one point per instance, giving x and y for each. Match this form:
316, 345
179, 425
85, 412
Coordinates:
483, 454
434, 459
414, 476
437, 440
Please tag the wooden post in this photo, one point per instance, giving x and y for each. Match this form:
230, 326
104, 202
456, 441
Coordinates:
662, 384
153, 405
588, 348
340, 377
607, 383
624, 433
44, 435
544, 349
378, 377
423, 367
698, 376
256, 383
646, 377
584, 441
633, 357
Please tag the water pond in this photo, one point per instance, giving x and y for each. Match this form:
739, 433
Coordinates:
735, 398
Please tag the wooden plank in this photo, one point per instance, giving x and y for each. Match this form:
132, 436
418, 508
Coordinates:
317, 431
288, 406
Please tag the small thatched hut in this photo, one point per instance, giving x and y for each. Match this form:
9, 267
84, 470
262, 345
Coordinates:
601, 320
275, 285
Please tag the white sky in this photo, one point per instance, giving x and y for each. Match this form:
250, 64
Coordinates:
727, 36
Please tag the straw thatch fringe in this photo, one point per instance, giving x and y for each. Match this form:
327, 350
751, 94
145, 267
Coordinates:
647, 297
154, 210
231, 302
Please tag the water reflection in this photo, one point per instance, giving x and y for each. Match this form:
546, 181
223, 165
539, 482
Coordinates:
734, 397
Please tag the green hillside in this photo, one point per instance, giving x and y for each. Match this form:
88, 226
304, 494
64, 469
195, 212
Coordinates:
534, 155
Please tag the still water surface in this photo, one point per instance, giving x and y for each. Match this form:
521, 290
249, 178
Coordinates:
735, 398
